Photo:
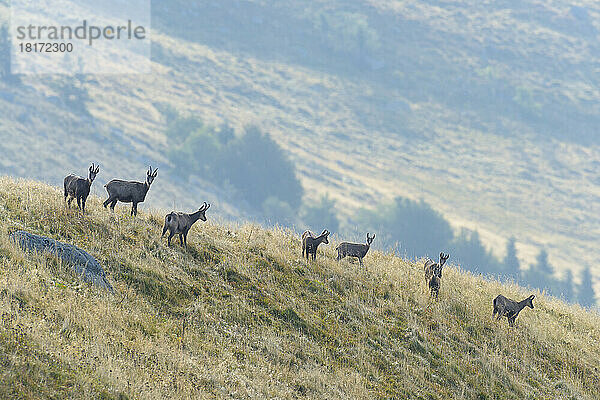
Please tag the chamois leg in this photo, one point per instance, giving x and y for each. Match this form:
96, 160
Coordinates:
181, 239
500, 313
83, 205
164, 230
171, 234
107, 202
79, 203
113, 204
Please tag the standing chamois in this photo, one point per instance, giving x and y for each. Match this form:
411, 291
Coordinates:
357, 250
433, 273
504, 306
434, 285
128, 191
79, 188
310, 242
178, 223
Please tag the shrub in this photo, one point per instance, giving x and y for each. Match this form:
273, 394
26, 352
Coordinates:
258, 169
253, 164
321, 215
414, 225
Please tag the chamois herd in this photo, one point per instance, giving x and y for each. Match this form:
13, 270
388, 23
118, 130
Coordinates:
179, 223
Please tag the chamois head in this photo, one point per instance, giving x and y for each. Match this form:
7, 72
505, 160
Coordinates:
150, 175
325, 234
443, 258
93, 172
370, 238
205, 206
529, 302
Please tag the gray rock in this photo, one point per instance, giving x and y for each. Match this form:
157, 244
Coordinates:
82, 262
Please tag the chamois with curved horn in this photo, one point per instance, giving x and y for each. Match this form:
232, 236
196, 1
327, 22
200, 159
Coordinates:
310, 242
432, 268
505, 307
129, 191
178, 223
358, 250
78, 188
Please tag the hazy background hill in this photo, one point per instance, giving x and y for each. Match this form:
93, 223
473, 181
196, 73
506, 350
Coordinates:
479, 118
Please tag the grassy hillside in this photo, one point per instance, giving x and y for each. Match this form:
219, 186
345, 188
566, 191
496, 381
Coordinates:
259, 321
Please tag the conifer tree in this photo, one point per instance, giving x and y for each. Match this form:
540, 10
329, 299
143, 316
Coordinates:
585, 291
511, 262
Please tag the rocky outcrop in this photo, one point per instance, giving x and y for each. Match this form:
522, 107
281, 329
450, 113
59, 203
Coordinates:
82, 262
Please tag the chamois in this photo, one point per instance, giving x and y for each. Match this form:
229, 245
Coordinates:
128, 191
178, 223
310, 242
434, 285
504, 306
79, 188
432, 268
357, 250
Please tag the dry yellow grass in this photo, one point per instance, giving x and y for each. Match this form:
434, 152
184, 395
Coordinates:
259, 321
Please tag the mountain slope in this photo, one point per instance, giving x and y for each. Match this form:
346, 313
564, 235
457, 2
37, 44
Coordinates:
240, 315
486, 111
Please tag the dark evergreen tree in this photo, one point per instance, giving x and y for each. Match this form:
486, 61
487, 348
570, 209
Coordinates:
567, 286
542, 264
413, 225
321, 215
541, 275
585, 291
252, 166
277, 212
193, 147
258, 168
511, 264
468, 251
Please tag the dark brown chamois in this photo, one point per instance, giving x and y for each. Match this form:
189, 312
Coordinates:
434, 285
432, 269
504, 306
78, 188
310, 242
178, 223
357, 250
128, 191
